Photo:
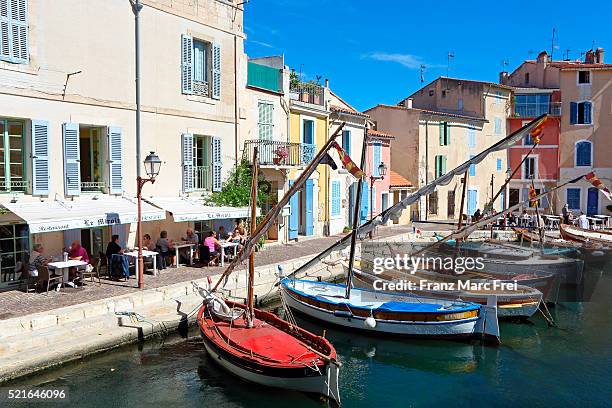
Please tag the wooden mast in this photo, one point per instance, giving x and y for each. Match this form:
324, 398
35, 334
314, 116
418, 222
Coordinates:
251, 276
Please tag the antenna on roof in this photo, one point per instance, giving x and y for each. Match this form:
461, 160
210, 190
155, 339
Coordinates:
504, 65
552, 43
567, 54
423, 67
449, 56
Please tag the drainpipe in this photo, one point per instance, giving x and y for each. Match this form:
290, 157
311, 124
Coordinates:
426, 166
236, 99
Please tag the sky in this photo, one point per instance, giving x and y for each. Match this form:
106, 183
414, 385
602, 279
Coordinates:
372, 51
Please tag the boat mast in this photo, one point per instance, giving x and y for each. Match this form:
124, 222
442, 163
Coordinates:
356, 211
251, 278
538, 218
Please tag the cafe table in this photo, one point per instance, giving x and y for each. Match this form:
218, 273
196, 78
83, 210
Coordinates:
145, 254
64, 268
178, 246
227, 244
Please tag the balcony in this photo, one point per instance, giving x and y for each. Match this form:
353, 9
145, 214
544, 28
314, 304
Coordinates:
281, 154
308, 92
93, 186
202, 178
535, 110
14, 186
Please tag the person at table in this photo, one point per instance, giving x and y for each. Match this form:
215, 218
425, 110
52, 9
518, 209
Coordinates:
117, 264
192, 238
476, 215
583, 221
37, 259
223, 234
78, 253
566, 213
213, 248
166, 249
240, 231
148, 243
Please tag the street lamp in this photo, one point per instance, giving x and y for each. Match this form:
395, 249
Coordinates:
152, 164
382, 171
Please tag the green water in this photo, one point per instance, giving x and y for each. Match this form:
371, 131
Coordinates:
536, 366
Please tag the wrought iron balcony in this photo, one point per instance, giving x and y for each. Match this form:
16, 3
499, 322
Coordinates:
274, 153
307, 92
202, 178
20, 186
93, 186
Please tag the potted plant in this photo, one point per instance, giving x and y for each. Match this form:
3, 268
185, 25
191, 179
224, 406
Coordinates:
281, 155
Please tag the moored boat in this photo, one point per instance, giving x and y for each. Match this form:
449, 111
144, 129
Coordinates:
573, 233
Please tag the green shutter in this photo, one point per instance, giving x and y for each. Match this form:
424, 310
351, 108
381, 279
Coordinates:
443, 165
441, 133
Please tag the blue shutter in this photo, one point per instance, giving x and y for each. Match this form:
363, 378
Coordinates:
217, 164
573, 198
309, 219
587, 112
294, 216
115, 162
499, 164
14, 31
346, 141
72, 167
583, 154
472, 167
471, 137
216, 71
335, 209
502, 203
364, 207
186, 64
187, 161
40, 157
497, 126
573, 113
472, 201
376, 159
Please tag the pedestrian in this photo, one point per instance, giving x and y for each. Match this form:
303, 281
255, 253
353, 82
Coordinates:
566, 213
583, 221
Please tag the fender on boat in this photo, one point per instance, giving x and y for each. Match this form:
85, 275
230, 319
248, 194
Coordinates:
487, 326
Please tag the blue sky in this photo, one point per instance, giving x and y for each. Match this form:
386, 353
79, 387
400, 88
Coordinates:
371, 51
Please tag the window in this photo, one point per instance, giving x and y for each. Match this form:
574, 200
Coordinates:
14, 247
451, 204
472, 169
431, 92
526, 78
346, 141
376, 158
444, 134
384, 201
433, 203
498, 98
12, 174
584, 77
440, 165
202, 158
92, 158
531, 105
498, 126
200, 67
573, 198
265, 122
580, 113
335, 207
471, 137
14, 29
374, 199
584, 153
514, 197
444, 93
529, 168
308, 131
498, 165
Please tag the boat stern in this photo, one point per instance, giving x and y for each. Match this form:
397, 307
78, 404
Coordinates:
487, 326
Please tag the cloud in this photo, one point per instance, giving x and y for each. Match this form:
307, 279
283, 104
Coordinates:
407, 60
261, 43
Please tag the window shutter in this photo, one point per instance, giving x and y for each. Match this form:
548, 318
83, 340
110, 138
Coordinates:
72, 167
14, 31
442, 165
346, 141
335, 198
5, 31
216, 71
472, 167
441, 133
40, 157
573, 113
187, 161
115, 164
437, 166
186, 64
471, 137
376, 159
587, 112
217, 164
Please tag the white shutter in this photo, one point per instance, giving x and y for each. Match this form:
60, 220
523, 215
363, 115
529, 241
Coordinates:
115, 165
187, 161
14, 31
40, 157
217, 164
216, 71
72, 170
186, 64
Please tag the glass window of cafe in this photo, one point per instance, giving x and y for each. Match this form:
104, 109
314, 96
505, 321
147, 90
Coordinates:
14, 251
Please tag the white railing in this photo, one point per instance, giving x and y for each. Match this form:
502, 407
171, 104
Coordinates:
14, 185
202, 178
93, 186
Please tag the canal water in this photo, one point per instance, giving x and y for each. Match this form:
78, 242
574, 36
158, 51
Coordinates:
536, 366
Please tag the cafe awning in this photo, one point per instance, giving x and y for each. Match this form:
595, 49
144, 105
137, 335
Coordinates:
190, 209
56, 215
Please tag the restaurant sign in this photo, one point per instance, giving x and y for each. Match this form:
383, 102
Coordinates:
101, 220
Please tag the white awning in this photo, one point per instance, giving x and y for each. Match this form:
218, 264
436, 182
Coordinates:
189, 209
54, 215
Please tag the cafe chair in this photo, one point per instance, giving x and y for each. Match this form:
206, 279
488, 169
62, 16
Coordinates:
92, 272
45, 276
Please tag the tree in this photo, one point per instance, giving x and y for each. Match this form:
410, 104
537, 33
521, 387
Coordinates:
236, 190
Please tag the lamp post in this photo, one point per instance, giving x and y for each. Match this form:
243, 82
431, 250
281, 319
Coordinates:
382, 171
152, 165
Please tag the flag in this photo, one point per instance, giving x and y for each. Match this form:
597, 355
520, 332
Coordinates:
348, 163
327, 159
532, 196
536, 132
592, 178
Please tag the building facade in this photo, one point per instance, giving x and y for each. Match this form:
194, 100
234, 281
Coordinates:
67, 117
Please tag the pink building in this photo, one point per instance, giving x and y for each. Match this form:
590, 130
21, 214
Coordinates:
378, 188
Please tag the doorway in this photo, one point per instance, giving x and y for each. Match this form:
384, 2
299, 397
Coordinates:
91, 156
592, 201
472, 201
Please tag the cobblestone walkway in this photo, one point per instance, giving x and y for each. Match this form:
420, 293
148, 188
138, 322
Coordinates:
17, 303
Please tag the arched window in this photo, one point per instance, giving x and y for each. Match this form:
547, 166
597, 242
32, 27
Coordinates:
583, 153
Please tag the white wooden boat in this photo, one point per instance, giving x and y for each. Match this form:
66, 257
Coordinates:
573, 233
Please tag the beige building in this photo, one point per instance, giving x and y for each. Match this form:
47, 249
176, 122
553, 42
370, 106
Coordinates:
441, 126
67, 118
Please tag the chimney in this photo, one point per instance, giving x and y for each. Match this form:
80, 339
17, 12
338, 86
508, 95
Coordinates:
326, 83
589, 57
408, 103
599, 55
503, 77
542, 58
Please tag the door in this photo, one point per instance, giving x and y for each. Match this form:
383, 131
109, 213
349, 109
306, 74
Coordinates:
384, 201
294, 216
309, 211
351, 203
472, 201
592, 201
308, 131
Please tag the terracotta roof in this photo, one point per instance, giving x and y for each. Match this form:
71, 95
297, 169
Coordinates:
378, 133
398, 180
429, 112
347, 111
569, 65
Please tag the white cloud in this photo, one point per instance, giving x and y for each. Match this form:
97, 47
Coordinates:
407, 60
261, 43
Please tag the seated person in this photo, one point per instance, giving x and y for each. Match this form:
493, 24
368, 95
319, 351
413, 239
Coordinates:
223, 234
116, 266
37, 259
242, 234
149, 245
166, 249
213, 245
77, 252
192, 238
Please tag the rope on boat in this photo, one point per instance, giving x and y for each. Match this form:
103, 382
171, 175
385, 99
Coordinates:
546, 313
